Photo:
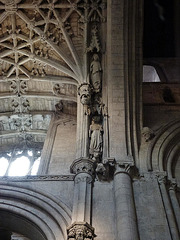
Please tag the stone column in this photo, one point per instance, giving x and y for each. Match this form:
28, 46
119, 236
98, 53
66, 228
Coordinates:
174, 202
126, 221
168, 208
81, 216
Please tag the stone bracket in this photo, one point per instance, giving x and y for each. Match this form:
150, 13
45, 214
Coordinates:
80, 231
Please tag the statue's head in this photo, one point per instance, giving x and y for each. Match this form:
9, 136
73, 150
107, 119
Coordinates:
147, 134
84, 92
95, 57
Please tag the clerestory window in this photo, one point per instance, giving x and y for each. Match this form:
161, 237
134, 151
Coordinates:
20, 162
150, 74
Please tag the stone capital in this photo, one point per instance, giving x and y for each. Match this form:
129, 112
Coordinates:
126, 166
80, 231
82, 165
172, 185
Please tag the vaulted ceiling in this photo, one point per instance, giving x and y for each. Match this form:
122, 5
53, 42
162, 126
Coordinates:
41, 55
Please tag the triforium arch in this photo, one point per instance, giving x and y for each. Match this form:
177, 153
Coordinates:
163, 152
33, 214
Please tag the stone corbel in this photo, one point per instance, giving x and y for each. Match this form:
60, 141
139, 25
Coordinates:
85, 91
105, 169
173, 185
80, 231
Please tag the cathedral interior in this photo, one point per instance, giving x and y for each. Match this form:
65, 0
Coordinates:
89, 120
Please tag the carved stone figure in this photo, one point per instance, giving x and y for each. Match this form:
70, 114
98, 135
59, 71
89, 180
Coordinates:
59, 108
147, 134
57, 89
84, 92
96, 71
96, 138
80, 231
95, 43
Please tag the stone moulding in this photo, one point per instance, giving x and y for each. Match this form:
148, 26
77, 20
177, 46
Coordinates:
38, 178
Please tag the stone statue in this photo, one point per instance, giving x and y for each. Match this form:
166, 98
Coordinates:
96, 139
96, 71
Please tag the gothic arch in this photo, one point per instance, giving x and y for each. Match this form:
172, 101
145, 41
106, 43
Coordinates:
163, 152
33, 212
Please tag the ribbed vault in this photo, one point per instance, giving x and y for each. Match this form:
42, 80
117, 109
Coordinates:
42, 51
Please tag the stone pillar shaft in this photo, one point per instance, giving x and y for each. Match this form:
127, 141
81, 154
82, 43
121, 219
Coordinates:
168, 209
175, 205
82, 198
124, 205
81, 216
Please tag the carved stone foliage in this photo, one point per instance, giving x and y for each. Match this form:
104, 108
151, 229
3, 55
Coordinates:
18, 87
127, 166
80, 231
20, 105
82, 166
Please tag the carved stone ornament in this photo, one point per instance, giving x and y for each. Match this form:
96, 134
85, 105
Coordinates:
59, 108
18, 87
96, 139
96, 72
82, 165
84, 91
126, 167
20, 105
147, 134
162, 179
95, 42
57, 89
172, 186
80, 231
